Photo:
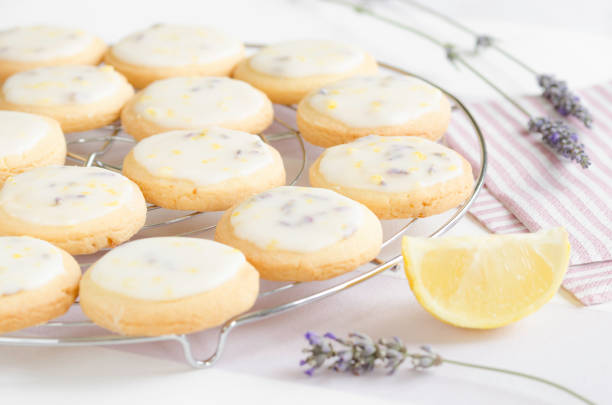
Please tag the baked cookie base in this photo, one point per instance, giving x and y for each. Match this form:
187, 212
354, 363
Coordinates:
90, 56
181, 194
139, 127
140, 76
33, 307
75, 118
51, 150
415, 204
322, 130
133, 316
332, 261
87, 237
290, 90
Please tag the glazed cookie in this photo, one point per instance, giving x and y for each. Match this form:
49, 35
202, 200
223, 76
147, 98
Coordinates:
287, 71
79, 209
38, 282
78, 97
25, 48
207, 170
395, 176
301, 233
158, 286
28, 141
164, 51
384, 105
196, 103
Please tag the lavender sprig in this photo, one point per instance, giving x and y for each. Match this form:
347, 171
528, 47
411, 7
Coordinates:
561, 138
555, 91
360, 354
563, 100
566, 146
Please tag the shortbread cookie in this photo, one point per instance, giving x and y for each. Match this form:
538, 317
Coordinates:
287, 71
38, 282
207, 170
159, 286
301, 233
196, 103
79, 97
28, 141
395, 176
25, 48
164, 51
79, 209
384, 105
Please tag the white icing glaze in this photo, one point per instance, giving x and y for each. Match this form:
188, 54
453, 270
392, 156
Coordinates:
376, 101
20, 132
40, 43
61, 85
205, 157
27, 263
297, 219
390, 163
307, 58
176, 45
166, 268
196, 102
65, 195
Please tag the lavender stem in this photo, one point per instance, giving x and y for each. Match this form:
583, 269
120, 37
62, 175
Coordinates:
569, 147
524, 375
484, 78
451, 55
364, 10
464, 28
555, 91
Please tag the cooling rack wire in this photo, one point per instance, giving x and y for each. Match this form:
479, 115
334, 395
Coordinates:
83, 333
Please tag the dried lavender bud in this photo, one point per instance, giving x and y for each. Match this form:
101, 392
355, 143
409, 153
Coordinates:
397, 171
305, 220
287, 207
482, 41
562, 138
563, 100
359, 354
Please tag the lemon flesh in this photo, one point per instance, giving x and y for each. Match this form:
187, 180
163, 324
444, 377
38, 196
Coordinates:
487, 281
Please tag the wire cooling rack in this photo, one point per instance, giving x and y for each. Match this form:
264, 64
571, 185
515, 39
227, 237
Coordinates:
84, 333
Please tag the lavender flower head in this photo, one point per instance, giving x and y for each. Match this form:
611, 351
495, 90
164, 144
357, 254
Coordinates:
561, 138
565, 102
360, 354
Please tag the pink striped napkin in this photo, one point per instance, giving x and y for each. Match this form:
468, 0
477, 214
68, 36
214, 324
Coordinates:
528, 187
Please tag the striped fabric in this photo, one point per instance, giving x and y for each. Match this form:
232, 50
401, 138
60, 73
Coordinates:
528, 187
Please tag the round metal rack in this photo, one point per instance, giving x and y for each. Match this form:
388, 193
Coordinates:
83, 333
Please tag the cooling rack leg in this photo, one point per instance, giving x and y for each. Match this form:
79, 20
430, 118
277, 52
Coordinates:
195, 363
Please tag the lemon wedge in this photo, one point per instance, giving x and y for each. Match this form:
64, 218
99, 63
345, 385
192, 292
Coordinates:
485, 282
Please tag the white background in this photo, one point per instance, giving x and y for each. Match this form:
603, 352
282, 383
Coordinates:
562, 341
